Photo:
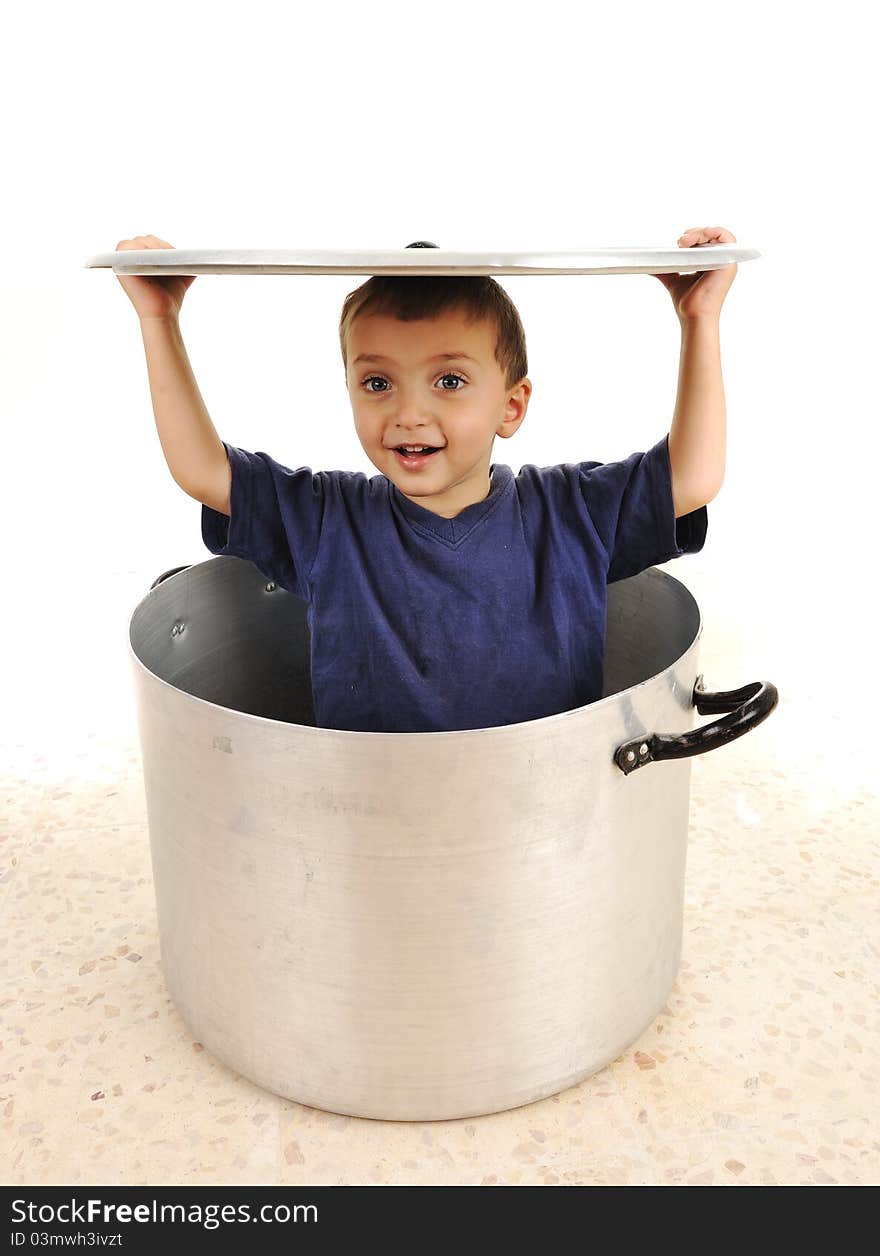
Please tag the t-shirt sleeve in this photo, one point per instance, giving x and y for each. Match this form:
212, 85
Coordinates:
274, 519
630, 504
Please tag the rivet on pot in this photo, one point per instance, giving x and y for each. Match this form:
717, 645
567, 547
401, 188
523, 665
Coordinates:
643, 749
270, 587
178, 628
630, 755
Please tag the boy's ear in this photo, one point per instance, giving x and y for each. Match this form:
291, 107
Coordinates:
515, 411
517, 405
522, 393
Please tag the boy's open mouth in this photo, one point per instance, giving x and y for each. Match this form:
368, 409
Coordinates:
412, 458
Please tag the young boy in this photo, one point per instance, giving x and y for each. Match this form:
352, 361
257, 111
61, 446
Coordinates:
446, 592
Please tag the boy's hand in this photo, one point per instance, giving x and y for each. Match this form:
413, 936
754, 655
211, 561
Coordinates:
702, 295
153, 296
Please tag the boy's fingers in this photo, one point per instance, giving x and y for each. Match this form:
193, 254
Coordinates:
705, 235
144, 242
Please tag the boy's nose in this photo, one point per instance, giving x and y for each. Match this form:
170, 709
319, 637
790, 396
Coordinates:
409, 435
412, 409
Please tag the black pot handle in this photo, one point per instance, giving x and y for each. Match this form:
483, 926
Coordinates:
165, 574
749, 705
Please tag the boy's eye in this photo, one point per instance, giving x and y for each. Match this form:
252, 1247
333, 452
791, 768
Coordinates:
445, 375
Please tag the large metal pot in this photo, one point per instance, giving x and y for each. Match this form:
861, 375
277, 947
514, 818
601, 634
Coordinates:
414, 926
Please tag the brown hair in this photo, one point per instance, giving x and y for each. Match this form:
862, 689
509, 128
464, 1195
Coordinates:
411, 297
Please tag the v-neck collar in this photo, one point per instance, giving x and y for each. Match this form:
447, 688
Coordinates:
455, 530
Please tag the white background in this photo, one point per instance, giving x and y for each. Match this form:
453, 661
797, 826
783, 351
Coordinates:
506, 126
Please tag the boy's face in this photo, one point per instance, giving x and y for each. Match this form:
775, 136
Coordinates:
414, 396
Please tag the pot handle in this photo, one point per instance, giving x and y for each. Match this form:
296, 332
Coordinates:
165, 574
749, 706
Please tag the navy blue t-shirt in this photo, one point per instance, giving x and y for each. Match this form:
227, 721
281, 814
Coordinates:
423, 624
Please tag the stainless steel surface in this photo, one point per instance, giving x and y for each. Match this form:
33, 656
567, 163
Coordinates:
652, 259
407, 926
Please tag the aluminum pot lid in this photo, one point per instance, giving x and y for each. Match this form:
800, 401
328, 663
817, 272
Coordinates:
423, 258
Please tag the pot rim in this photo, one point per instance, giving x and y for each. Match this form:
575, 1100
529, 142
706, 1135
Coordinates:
651, 573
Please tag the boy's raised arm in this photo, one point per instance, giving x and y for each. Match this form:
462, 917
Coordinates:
698, 435
194, 452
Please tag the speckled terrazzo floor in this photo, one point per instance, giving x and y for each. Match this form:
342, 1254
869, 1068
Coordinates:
762, 1069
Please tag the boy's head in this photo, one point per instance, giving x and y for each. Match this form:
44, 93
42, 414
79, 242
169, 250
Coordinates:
416, 396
